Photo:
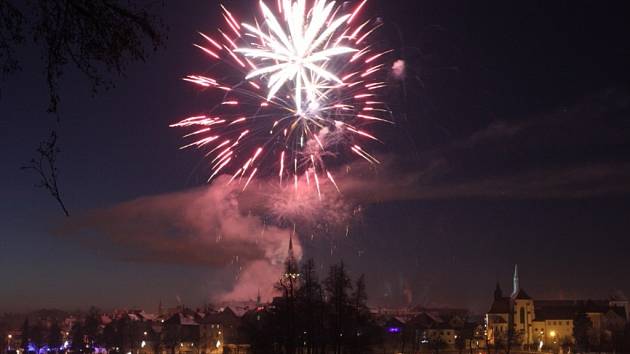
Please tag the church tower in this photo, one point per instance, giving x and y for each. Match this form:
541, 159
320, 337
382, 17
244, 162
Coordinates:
498, 293
290, 264
522, 313
515, 285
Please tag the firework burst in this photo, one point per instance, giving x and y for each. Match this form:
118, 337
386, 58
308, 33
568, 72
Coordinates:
300, 87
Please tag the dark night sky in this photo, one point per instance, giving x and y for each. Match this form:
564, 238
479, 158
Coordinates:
524, 107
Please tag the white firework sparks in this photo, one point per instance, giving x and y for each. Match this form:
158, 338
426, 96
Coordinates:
296, 84
299, 52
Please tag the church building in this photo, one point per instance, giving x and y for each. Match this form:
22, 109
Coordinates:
526, 322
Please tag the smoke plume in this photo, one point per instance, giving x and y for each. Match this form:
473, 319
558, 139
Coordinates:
205, 226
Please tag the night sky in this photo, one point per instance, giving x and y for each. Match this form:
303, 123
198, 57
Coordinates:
516, 115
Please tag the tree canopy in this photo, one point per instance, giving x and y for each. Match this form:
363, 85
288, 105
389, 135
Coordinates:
99, 38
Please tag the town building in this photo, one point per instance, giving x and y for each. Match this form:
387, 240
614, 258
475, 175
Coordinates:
428, 329
520, 320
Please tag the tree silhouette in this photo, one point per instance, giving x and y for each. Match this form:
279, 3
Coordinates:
5, 340
513, 339
91, 327
309, 319
285, 308
26, 335
363, 332
500, 342
109, 337
156, 339
436, 344
566, 344
99, 38
77, 335
123, 331
170, 336
55, 340
38, 336
582, 326
45, 165
460, 343
338, 286
310, 305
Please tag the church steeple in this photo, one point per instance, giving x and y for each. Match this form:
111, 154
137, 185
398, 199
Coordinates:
258, 302
498, 293
290, 264
516, 286
291, 244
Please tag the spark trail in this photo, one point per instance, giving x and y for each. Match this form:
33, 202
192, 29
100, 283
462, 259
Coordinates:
300, 86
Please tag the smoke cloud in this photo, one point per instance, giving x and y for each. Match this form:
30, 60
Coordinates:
220, 224
204, 226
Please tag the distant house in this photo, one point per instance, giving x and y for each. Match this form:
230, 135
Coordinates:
180, 334
420, 328
219, 333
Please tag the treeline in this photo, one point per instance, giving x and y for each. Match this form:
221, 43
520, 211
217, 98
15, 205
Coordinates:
312, 316
118, 335
40, 335
308, 316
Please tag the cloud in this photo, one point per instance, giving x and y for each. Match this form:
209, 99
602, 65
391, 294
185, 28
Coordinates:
565, 182
570, 182
574, 152
204, 226
554, 156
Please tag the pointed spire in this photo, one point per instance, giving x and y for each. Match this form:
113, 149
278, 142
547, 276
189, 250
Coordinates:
291, 266
258, 302
291, 242
290, 255
516, 286
498, 293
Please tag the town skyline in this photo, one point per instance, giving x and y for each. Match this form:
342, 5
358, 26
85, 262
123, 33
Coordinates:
510, 145
176, 303
323, 312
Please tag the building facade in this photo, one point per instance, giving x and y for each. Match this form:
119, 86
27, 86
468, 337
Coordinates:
519, 320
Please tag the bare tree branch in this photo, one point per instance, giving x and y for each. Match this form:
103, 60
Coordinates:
45, 166
97, 37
